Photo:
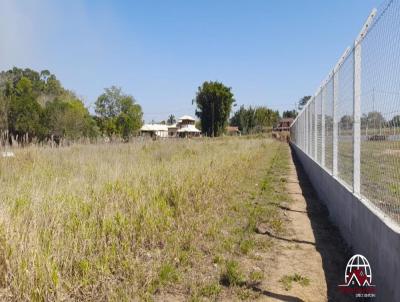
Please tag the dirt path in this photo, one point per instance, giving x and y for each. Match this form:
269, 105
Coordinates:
311, 248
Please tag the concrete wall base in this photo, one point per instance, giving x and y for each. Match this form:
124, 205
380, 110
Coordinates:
364, 228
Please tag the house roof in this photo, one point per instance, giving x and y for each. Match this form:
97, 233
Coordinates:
154, 127
189, 128
186, 117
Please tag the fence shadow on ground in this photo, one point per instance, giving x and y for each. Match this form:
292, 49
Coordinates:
328, 241
280, 297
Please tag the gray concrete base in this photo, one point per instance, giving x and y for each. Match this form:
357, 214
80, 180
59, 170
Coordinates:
364, 228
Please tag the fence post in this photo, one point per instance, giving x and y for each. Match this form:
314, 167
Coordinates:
315, 129
309, 130
335, 122
356, 118
323, 96
306, 133
357, 105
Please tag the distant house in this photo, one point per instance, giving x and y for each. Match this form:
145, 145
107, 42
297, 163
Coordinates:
154, 130
284, 124
172, 130
185, 127
232, 130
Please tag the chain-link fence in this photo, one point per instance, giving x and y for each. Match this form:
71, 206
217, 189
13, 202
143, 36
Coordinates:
351, 126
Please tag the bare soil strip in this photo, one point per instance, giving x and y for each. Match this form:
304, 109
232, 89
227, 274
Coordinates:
308, 261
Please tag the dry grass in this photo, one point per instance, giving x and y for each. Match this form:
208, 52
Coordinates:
128, 221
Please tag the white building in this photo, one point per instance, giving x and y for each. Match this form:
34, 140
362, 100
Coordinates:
154, 130
185, 127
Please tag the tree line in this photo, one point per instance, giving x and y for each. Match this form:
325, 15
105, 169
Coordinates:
34, 106
214, 103
251, 120
370, 120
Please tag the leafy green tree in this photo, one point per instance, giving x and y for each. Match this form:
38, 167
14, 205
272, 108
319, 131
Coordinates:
249, 120
346, 122
254, 119
69, 119
214, 103
24, 114
118, 113
53, 86
265, 117
107, 104
395, 121
373, 120
43, 83
289, 113
129, 120
4, 104
35, 104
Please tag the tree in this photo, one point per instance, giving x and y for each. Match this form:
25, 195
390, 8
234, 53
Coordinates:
395, 121
346, 122
303, 101
35, 105
129, 120
254, 119
373, 120
107, 104
118, 113
265, 117
245, 119
24, 113
68, 118
4, 103
289, 114
171, 120
214, 103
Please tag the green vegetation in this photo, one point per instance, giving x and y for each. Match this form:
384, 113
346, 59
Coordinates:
232, 274
214, 103
287, 281
256, 277
289, 113
211, 290
34, 107
118, 113
253, 120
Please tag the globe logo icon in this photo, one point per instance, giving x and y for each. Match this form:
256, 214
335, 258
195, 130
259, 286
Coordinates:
358, 272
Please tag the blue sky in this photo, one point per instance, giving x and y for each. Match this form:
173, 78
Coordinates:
270, 52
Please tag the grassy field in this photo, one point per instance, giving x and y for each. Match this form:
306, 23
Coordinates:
138, 221
380, 175
380, 171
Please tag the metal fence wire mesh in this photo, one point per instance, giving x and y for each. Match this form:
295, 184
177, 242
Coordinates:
351, 126
344, 109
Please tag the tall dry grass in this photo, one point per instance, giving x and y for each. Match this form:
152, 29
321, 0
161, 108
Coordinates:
124, 221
